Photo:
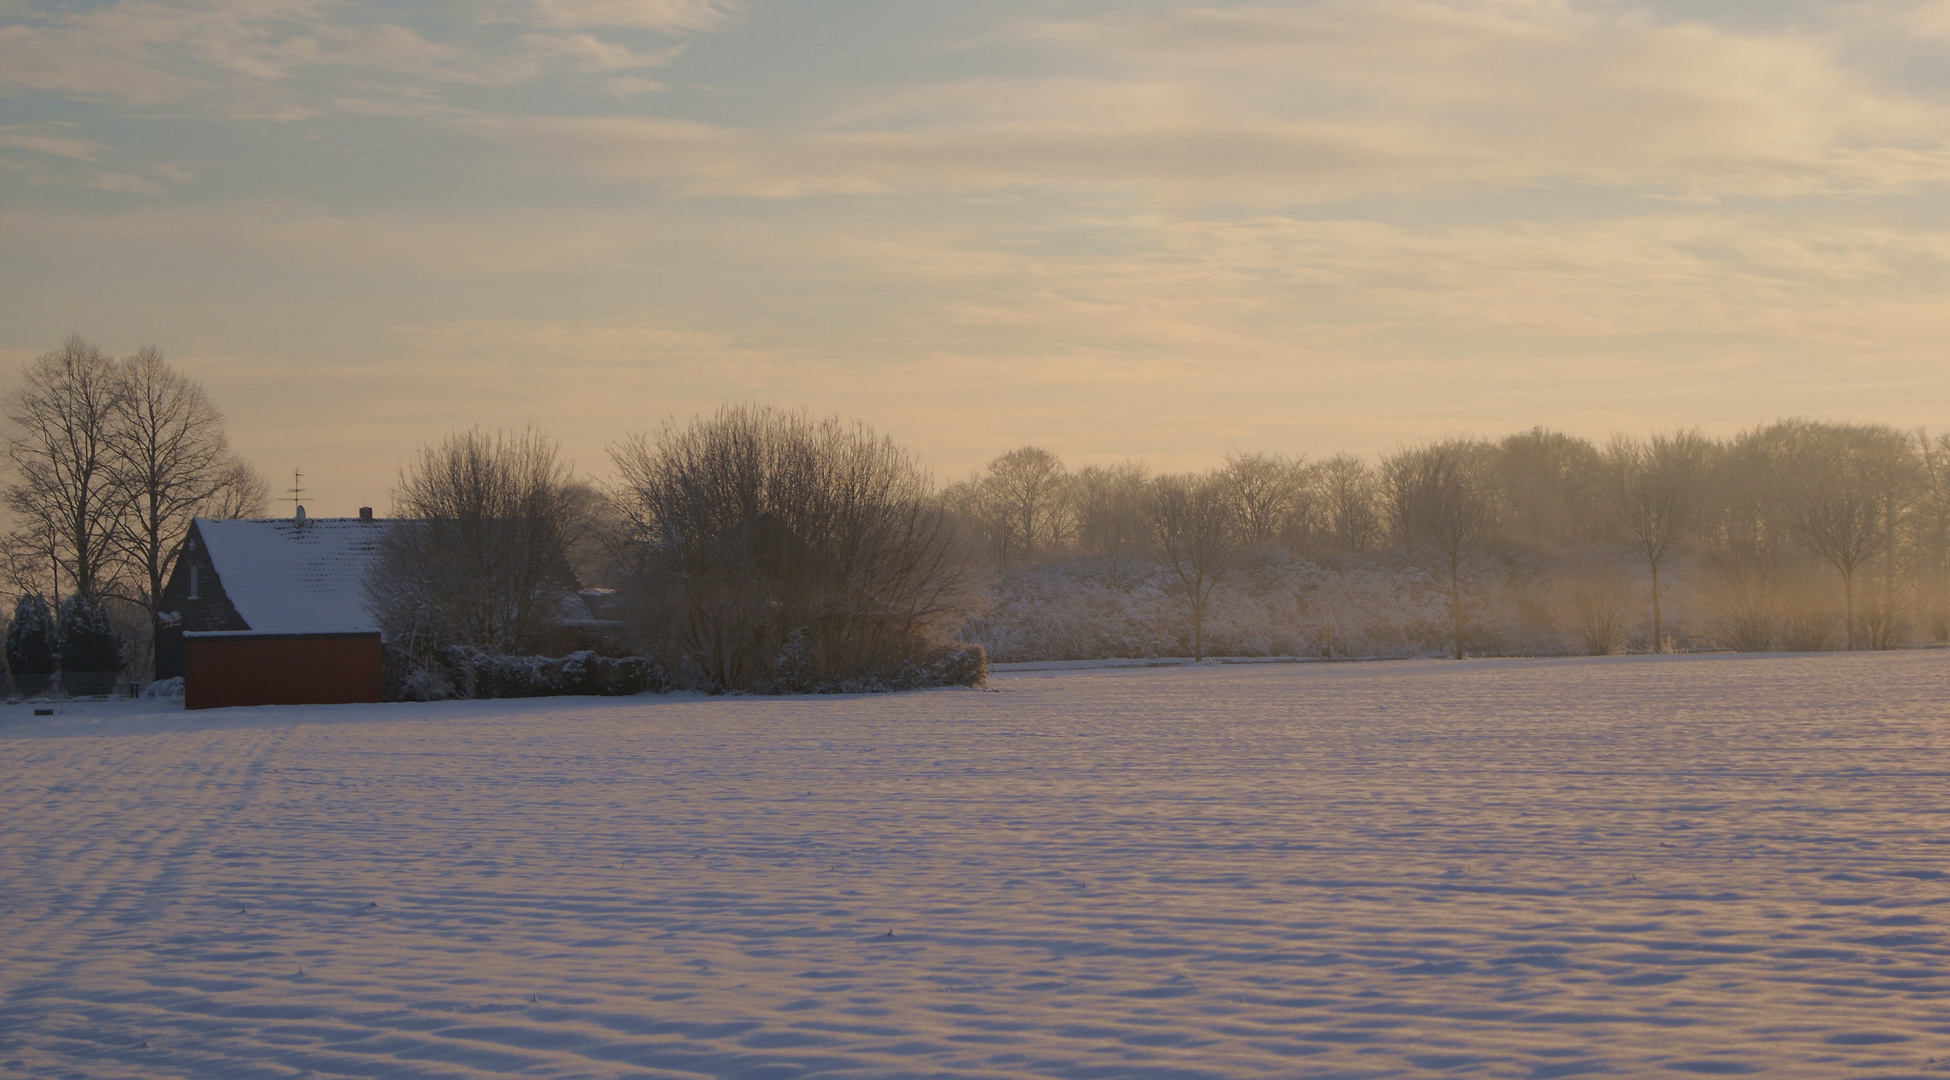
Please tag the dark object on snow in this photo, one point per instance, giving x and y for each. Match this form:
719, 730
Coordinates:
43, 712
86, 642
31, 652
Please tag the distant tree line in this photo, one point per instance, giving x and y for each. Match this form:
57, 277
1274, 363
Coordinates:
764, 550
1792, 535
109, 460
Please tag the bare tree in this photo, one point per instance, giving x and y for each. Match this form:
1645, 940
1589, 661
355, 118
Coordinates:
1895, 477
1549, 487
1111, 505
169, 461
1436, 501
595, 535
1029, 488
30, 556
479, 559
1266, 492
60, 418
1196, 534
1832, 506
244, 493
1744, 543
782, 553
1349, 495
1932, 530
1654, 493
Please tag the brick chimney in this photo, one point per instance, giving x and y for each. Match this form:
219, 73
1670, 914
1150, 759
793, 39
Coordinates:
365, 513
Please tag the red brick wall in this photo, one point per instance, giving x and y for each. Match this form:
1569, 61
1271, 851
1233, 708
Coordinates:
280, 669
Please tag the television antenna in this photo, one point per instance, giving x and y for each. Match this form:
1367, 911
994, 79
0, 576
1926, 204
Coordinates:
297, 490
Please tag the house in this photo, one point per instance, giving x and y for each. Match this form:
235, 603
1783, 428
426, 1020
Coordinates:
272, 612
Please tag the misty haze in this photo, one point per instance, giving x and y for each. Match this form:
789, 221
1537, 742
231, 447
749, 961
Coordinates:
731, 538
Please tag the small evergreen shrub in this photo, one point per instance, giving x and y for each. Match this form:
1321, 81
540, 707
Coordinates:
31, 638
85, 639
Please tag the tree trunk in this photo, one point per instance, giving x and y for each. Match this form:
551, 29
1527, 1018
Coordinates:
1848, 610
1455, 605
1658, 620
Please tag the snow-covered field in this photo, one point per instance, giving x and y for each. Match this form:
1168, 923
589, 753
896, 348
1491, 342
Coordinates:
1650, 866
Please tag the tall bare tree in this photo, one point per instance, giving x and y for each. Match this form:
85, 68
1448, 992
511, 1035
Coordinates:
1549, 487
480, 560
1030, 488
169, 460
1436, 501
1833, 505
1655, 488
784, 553
244, 493
1111, 505
1196, 534
1266, 492
1895, 476
1349, 494
59, 442
1933, 531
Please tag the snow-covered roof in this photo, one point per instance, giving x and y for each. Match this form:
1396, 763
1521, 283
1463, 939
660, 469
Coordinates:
287, 576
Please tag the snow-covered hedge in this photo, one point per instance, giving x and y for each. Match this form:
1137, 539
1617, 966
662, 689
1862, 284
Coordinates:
1272, 604
477, 674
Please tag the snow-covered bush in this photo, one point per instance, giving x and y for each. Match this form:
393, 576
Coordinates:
425, 683
164, 688
487, 675
956, 664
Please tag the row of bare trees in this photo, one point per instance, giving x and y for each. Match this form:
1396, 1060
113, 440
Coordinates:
1793, 534
110, 460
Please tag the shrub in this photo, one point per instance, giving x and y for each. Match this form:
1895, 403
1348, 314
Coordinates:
478, 558
87, 641
31, 640
785, 555
476, 674
957, 664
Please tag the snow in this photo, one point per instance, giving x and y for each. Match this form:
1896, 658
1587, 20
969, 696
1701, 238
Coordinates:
1505, 868
287, 576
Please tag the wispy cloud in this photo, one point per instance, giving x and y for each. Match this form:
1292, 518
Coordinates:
289, 59
662, 15
1326, 100
50, 143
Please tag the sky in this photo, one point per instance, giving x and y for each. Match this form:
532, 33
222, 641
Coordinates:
1143, 229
